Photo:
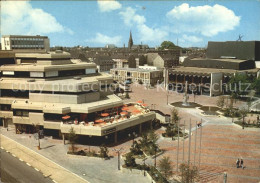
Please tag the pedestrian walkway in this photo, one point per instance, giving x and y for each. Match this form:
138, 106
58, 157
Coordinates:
46, 166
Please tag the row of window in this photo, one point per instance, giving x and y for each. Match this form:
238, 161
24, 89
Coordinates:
48, 74
25, 39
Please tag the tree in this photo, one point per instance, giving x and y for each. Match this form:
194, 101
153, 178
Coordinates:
221, 101
72, 139
167, 45
256, 86
130, 160
171, 129
165, 167
136, 149
103, 151
238, 85
188, 173
243, 112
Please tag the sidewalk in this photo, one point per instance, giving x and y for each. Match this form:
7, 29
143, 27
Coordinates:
46, 166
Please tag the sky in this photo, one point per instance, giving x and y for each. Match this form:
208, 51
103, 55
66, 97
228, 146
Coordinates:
97, 23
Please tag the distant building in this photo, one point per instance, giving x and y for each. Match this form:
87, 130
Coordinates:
104, 63
21, 42
110, 46
164, 59
210, 75
146, 76
130, 41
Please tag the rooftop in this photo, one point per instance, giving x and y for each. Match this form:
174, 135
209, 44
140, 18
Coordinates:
207, 71
134, 69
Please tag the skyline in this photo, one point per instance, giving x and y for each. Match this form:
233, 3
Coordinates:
97, 23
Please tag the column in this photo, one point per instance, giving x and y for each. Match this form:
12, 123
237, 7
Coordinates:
3, 122
63, 138
15, 128
140, 128
115, 137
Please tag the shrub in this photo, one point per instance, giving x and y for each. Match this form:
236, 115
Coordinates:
130, 160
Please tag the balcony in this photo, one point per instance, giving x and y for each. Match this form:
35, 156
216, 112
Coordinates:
111, 124
21, 120
52, 125
6, 114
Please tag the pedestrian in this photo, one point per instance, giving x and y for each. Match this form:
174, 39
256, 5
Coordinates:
238, 162
242, 163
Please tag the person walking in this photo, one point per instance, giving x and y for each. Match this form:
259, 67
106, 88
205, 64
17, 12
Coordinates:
242, 164
238, 163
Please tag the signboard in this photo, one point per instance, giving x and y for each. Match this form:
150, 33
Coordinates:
111, 130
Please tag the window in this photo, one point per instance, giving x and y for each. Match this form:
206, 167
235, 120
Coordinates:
18, 112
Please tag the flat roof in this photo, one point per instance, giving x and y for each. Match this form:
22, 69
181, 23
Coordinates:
135, 69
198, 70
27, 36
42, 68
221, 59
58, 108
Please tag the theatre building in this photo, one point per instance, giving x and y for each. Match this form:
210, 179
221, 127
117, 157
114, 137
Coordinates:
210, 75
52, 92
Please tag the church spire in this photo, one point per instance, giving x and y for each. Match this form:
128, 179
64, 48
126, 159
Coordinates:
130, 42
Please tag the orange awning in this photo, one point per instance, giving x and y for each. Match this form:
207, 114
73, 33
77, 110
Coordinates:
99, 121
136, 111
104, 114
66, 117
144, 105
123, 113
125, 109
139, 101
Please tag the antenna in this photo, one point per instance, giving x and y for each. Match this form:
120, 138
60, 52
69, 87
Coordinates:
240, 37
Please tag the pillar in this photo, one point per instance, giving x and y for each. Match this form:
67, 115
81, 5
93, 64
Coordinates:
140, 129
15, 128
63, 138
3, 122
115, 137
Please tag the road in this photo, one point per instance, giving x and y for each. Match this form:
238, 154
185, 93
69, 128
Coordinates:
15, 171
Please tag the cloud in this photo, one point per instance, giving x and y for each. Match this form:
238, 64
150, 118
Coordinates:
205, 20
146, 33
151, 34
108, 5
104, 39
130, 17
193, 39
21, 18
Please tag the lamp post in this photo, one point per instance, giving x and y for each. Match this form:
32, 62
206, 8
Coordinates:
118, 156
144, 164
155, 150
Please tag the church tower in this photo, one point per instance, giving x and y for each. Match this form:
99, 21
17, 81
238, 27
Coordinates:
130, 42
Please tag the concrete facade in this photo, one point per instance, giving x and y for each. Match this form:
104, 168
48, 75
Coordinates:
146, 76
17, 42
54, 92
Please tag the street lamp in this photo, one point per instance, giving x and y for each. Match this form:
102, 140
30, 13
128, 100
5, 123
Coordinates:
144, 164
118, 156
155, 150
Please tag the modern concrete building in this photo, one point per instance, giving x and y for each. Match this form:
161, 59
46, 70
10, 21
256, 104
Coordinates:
20, 42
53, 92
210, 75
146, 76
